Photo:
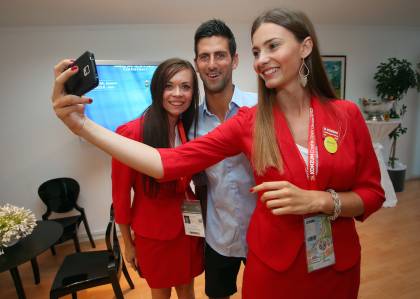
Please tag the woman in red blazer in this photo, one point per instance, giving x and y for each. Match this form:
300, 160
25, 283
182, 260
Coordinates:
165, 256
313, 163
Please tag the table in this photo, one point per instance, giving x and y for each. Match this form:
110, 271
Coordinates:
45, 234
378, 131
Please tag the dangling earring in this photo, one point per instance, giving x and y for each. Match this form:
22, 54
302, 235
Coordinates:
303, 73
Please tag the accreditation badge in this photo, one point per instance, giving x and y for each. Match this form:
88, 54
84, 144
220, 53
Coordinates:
193, 218
318, 242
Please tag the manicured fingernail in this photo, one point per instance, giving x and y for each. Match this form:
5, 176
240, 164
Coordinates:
90, 101
251, 190
73, 68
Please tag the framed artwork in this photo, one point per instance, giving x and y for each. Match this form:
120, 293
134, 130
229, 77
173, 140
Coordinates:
335, 66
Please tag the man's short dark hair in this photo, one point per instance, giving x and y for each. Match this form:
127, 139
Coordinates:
215, 27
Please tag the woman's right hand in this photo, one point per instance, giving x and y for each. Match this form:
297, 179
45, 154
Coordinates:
68, 108
130, 254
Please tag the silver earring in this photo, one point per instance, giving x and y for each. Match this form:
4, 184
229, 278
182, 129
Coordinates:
303, 73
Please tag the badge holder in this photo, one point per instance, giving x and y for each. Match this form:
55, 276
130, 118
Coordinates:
318, 242
192, 218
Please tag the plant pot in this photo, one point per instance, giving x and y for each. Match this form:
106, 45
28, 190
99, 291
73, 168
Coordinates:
8, 244
397, 176
12, 242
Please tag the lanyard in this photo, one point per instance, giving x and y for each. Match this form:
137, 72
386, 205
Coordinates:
311, 169
181, 132
183, 182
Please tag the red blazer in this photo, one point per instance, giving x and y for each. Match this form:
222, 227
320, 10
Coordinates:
276, 240
157, 217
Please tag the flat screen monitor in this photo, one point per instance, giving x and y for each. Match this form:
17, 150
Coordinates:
123, 92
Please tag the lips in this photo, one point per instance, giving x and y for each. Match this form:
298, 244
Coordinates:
213, 75
176, 103
269, 71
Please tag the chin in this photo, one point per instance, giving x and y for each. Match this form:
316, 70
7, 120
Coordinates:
271, 85
215, 86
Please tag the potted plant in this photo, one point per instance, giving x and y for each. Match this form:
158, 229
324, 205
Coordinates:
15, 223
394, 77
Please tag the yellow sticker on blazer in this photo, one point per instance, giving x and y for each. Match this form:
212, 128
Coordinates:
330, 144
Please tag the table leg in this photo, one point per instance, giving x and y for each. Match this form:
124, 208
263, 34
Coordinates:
18, 283
35, 269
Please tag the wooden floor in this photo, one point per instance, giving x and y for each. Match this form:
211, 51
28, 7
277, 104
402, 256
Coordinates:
390, 259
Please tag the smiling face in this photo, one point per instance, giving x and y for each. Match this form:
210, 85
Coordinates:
278, 55
178, 93
214, 63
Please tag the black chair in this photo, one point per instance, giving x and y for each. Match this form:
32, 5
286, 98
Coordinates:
84, 270
60, 196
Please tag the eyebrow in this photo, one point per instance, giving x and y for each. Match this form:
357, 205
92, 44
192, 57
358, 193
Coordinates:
215, 52
182, 82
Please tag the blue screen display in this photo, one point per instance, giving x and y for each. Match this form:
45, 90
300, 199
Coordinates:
122, 95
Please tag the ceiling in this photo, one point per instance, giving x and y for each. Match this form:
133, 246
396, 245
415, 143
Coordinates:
20, 13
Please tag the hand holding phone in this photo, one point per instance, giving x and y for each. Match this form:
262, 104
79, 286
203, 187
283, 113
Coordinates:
86, 78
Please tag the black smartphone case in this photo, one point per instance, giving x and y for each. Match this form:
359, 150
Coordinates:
86, 78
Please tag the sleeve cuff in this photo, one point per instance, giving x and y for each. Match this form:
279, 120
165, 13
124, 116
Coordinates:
371, 203
168, 160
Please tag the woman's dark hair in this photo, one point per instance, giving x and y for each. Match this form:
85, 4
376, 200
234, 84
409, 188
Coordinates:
215, 27
156, 123
301, 27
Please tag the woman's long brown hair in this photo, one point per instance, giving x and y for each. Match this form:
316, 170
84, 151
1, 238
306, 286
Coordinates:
265, 148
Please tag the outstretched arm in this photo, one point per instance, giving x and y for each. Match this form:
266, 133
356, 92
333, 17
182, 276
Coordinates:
70, 109
137, 155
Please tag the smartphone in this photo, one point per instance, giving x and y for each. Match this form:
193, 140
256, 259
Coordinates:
86, 78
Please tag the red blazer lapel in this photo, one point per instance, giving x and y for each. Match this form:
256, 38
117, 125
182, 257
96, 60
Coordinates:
293, 164
327, 123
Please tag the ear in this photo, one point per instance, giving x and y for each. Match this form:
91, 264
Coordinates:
306, 47
235, 61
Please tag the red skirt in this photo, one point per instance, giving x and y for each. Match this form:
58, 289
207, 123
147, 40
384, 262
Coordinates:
168, 263
261, 281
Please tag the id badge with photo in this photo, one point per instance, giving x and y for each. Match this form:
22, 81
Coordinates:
318, 242
193, 218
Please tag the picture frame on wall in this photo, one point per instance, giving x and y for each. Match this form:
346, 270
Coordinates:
335, 67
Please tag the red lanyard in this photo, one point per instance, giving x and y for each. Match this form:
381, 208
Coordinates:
181, 132
182, 181
311, 169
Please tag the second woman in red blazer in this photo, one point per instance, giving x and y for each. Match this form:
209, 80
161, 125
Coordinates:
166, 257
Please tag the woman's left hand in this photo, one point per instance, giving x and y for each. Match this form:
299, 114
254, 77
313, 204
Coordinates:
284, 198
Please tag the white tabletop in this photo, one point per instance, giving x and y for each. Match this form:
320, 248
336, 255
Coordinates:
380, 129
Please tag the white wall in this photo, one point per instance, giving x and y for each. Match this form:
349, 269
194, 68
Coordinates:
36, 147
